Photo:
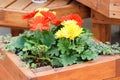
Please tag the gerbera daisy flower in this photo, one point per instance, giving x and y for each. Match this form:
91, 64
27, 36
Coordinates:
75, 17
39, 23
49, 15
30, 15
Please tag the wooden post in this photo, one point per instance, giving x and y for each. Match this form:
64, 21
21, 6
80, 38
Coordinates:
101, 30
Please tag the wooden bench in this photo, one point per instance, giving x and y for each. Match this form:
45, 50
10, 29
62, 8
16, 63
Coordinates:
11, 11
104, 13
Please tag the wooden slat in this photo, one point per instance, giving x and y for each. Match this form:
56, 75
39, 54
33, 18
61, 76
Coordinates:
100, 69
5, 3
115, 78
34, 6
101, 19
101, 6
19, 4
114, 9
4, 75
13, 19
72, 8
14, 67
118, 67
58, 3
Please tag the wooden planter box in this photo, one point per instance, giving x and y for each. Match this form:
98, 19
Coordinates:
109, 8
104, 68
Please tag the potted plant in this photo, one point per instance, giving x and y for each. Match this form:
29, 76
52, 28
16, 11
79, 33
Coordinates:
54, 48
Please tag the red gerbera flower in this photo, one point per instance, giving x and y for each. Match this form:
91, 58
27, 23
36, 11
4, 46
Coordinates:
30, 15
75, 17
48, 15
57, 22
39, 23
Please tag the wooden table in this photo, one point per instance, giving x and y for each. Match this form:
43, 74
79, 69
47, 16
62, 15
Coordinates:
11, 11
104, 13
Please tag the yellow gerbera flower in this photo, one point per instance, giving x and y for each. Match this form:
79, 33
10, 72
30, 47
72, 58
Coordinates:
69, 23
42, 9
38, 14
54, 12
70, 30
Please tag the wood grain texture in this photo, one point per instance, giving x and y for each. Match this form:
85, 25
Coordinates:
99, 69
101, 6
118, 67
13, 19
115, 78
4, 4
73, 8
114, 10
58, 3
101, 19
4, 75
13, 66
102, 31
34, 6
19, 4
109, 8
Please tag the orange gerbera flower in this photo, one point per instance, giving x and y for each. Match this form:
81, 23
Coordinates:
75, 17
39, 23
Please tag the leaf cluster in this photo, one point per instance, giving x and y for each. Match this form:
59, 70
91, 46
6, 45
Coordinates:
40, 48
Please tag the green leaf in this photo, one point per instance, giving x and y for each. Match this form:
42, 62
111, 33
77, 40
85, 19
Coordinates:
45, 37
20, 42
20, 54
33, 65
89, 55
64, 45
25, 55
68, 59
38, 35
79, 49
56, 62
27, 45
79, 61
53, 52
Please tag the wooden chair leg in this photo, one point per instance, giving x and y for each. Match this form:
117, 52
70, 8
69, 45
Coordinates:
102, 31
101, 26
16, 32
